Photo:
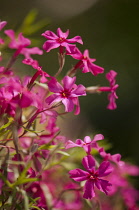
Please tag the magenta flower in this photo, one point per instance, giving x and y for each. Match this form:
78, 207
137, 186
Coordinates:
2, 24
86, 63
20, 43
107, 156
92, 176
67, 94
40, 72
60, 40
110, 76
87, 144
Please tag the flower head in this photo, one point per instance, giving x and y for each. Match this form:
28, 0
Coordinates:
92, 176
67, 94
20, 43
87, 144
86, 63
110, 76
2, 24
60, 40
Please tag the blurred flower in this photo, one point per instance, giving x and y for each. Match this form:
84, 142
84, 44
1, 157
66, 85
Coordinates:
87, 144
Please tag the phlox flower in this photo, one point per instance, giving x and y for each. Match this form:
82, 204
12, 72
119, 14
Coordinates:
60, 40
107, 156
67, 93
92, 176
86, 63
2, 24
87, 144
110, 76
40, 72
20, 43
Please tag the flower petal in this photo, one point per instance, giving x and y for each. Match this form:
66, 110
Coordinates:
80, 90
71, 144
62, 34
89, 192
98, 137
88, 162
50, 44
68, 104
103, 185
68, 82
50, 35
104, 169
95, 69
78, 175
75, 39
87, 139
53, 98
54, 86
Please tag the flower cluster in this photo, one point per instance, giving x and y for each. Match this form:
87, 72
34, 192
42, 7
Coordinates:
37, 165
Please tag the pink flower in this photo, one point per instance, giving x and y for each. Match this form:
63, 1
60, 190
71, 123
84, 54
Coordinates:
86, 63
67, 94
20, 43
107, 156
92, 176
60, 40
40, 72
110, 76
87, 144
2, 24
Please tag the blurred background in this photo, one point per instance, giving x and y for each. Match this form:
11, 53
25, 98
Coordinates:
110, 30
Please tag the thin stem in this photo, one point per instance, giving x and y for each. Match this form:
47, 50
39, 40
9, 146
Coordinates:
61, 59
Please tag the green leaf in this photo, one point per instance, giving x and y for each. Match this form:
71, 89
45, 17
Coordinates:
35, 207
5, 180
63, 153
47, 147
26, 201
10, 120
36, 27
30, 18
24, 181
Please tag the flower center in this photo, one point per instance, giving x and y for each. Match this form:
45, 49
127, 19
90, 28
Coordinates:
60, 40
65, 94
84, 58
93, 176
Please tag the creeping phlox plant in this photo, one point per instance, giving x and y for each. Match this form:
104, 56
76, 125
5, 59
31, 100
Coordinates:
39, 168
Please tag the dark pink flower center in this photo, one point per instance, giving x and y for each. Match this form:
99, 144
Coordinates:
60, 40
65, 94
84, 58
93, 176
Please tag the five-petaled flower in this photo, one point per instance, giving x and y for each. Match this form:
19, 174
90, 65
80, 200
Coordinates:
20, 43
87, 144
86, 63
60, 40
67, 94
92, 176
110, 76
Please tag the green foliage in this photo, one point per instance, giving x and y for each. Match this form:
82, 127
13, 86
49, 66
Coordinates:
30, 26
